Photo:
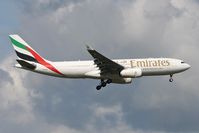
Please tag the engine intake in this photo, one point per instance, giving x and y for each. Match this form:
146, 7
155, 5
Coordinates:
131, 73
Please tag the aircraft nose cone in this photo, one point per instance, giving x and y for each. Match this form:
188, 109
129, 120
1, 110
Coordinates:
187, 66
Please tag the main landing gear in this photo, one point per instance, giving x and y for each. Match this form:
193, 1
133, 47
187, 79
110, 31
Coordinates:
103, 83
171, 79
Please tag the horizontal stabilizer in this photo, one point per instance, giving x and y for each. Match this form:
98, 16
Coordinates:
26, 64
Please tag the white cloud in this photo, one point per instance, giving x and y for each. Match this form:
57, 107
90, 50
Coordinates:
15, 102
101, 111
134, 20
63, 129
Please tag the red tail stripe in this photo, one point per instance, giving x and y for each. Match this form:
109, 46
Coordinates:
43, 62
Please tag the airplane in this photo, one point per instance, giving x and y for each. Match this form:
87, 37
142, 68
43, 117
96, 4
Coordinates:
119, 71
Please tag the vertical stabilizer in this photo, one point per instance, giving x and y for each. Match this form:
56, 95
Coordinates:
23, 50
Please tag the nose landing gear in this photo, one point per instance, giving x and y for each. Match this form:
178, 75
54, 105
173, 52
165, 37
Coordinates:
103, 83
171, 79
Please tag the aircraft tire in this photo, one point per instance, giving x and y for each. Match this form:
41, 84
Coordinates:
109, 81
103, 84
98, 87
170, 80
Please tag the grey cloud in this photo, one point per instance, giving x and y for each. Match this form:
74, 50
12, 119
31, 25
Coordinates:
87, 22
162, 108
5, 76
42, 7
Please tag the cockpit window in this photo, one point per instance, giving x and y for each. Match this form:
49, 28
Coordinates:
182, 62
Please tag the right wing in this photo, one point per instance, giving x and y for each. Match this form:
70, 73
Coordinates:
106, 65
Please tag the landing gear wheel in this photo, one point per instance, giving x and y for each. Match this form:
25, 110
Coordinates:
171, 79
98, 87
109, 81
103, 84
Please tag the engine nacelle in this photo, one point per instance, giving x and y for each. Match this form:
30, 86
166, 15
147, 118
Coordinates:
131, 73
122, 80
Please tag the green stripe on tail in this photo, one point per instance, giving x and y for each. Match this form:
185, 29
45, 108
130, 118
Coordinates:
18, 44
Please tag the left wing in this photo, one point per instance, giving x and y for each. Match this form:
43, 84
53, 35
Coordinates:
106, 65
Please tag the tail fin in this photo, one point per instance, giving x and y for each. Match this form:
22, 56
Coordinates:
26, 53
23, 50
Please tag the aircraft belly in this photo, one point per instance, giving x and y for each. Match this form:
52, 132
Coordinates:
159, 71
76, 71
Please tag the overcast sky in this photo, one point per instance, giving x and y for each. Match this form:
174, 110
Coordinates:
59, 30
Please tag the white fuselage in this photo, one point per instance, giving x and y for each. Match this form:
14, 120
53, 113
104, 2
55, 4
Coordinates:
88, 69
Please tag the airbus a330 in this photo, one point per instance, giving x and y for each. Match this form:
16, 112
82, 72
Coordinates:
120, 71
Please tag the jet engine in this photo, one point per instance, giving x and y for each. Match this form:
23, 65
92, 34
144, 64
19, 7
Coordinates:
122, 80
131, 73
